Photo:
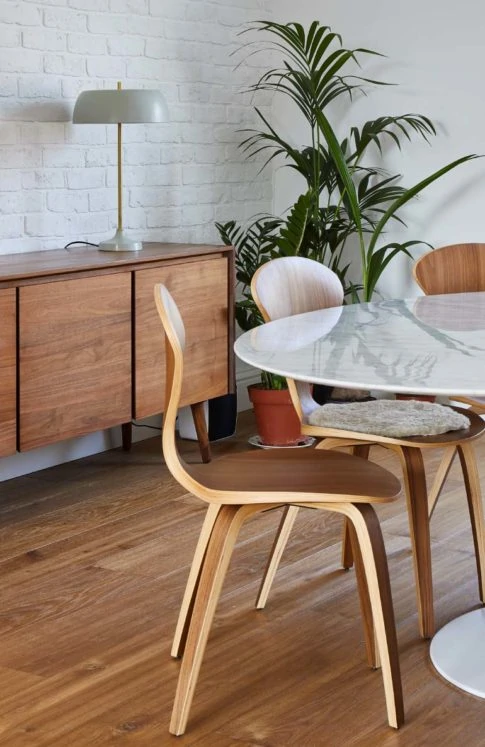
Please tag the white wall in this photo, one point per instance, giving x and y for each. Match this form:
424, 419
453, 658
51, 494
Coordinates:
58, 180
435, 52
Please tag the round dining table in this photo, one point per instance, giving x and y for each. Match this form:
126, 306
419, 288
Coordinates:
430, 345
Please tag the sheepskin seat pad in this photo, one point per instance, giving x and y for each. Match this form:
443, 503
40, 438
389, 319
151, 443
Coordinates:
392, 418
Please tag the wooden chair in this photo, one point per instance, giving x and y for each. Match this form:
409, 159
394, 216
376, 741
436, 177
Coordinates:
240, 485
293, 285
458, 268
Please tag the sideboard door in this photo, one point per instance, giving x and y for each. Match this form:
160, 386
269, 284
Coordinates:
74, 357
8, 403
200, 289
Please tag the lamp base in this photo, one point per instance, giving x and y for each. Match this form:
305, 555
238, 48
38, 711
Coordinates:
120, 243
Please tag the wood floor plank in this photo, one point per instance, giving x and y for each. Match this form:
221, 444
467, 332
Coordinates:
94, 556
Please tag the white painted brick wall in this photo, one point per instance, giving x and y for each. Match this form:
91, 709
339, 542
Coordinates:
58, 180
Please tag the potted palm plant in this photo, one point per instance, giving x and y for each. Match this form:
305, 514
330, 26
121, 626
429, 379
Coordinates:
347, 203
350, 202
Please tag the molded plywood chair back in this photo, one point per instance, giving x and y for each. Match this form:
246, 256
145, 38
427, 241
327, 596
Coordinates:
294, 285
457, 268
240, 485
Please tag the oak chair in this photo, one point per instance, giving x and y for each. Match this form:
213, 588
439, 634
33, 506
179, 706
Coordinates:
295, 285
240, 485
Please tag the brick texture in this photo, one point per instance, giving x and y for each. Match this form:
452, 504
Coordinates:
58, 180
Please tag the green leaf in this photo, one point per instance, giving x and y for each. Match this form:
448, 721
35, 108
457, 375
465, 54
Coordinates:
374, 131
335, 151
344, 200
291, 235
412, 192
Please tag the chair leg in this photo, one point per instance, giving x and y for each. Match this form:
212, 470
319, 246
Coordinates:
361, 450
279, 544
219, 550
198, 415
369, 535
335, 443
468, 461
185, 613
440, 477
417, 503
364, 599
347, 555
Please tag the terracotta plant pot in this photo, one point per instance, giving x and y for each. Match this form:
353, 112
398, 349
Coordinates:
276, 418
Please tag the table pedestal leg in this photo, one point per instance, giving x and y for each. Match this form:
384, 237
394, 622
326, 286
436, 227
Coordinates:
457, 652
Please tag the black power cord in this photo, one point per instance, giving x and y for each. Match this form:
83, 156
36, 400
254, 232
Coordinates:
142, 425
83, 243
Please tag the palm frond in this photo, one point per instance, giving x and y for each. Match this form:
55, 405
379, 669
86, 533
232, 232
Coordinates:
374, 131
412, 192
345, 200
383, 256
291, 233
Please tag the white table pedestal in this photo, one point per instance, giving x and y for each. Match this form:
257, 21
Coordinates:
457, 651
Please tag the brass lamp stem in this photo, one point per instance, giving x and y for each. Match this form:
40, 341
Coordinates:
120, 207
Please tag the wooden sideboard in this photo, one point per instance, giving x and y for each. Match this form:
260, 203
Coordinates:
81, 343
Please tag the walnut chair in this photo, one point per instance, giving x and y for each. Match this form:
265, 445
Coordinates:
294, 285
458, 268
240, 485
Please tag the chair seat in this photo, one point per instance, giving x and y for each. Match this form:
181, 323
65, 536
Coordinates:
288, 472
417, 422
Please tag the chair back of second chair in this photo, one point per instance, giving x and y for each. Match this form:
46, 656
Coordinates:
458, 268
294, 285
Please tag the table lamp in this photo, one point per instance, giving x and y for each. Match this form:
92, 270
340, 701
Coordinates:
120, 106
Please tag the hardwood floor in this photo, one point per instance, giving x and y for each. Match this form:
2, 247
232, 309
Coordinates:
94, 556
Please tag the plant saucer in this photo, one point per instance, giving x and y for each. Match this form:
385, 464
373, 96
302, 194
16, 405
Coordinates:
302, 443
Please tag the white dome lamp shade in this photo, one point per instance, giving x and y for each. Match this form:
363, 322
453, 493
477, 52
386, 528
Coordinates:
120, 106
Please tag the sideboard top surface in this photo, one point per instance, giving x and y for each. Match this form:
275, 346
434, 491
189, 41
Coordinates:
85, 258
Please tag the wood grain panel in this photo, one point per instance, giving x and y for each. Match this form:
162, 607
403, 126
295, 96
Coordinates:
7, 372
201, 291
14, 267
75, 357
458, 268
88, 618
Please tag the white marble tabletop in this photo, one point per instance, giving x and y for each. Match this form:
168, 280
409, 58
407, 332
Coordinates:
432, 344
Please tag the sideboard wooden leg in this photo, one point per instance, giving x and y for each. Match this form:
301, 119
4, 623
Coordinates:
201, 430
126, 436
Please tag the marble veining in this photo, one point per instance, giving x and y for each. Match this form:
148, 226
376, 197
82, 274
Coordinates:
430, 344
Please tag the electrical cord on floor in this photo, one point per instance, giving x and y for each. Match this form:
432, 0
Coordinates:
83, 243
142, 425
